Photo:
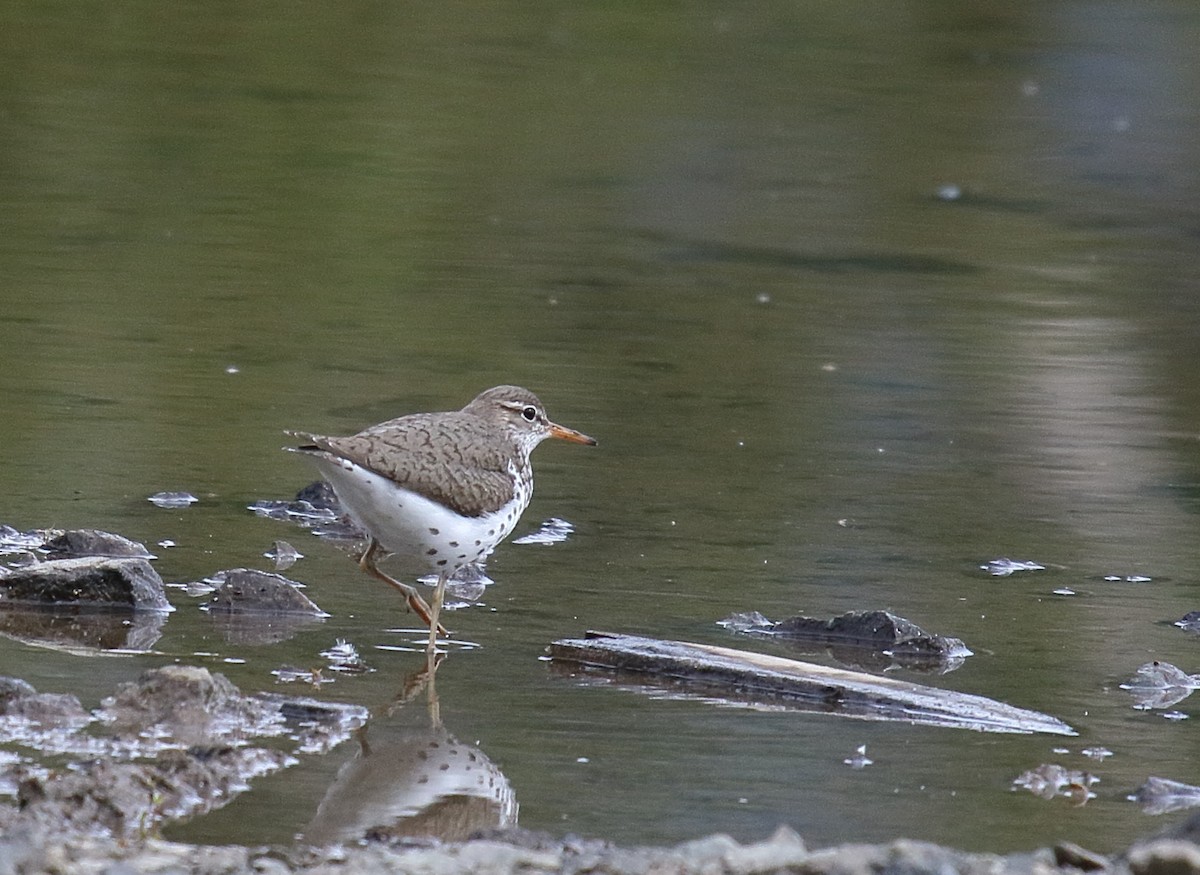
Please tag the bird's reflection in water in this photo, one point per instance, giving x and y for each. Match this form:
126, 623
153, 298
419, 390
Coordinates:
412, 778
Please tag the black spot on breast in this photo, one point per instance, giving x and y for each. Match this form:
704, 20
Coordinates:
432, 551
454, 543
433, 531
442, 561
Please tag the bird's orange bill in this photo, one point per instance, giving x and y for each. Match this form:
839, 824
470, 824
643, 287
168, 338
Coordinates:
570, 434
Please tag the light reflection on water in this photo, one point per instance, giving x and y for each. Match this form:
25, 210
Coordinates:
712, 242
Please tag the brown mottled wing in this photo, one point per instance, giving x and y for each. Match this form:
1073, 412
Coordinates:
447, 457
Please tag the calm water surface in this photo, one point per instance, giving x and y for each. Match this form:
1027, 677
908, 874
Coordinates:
856, 299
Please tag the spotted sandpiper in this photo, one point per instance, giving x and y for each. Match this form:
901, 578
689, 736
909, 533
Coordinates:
439, 489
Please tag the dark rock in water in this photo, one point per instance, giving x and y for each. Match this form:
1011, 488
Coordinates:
315, 507
244, 590
93, 542
1189, 622
878, 632
321, 496
91, 580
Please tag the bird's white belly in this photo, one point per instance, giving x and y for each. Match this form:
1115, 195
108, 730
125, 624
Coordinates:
424, 532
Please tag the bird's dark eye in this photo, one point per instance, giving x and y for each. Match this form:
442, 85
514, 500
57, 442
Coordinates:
529, 412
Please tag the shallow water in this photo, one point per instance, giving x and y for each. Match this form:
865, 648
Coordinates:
856, 299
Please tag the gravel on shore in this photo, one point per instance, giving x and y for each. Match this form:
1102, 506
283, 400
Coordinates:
519, 852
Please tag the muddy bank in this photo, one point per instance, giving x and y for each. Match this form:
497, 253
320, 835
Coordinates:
519, 851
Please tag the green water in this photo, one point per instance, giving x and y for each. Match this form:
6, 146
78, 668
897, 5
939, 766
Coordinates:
719, 239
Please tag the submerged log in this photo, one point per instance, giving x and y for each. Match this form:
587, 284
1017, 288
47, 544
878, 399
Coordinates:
740, 676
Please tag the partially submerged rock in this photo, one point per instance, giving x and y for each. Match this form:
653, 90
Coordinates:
315, 507
1158, 685
93, 542
127, 583
1161, 796
284, 555
129, 799
80, 600
189, 704
1050, 779
20, 701
320, 495
178, 742
1189, 622
855, 635
245, 590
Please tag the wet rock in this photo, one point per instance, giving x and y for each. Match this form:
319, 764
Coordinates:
551, 531
93, 542
1189, 622
284, 554
1164, 857
18, 699
1158, 685
1073, 856
92, 581
321, 496
14, 689
190, 705
13, 540
244, 590
127, 799
1160, 796
1004, 567
516, 850
172, 500
853, 634
1050, 779
315, 507
178, 745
